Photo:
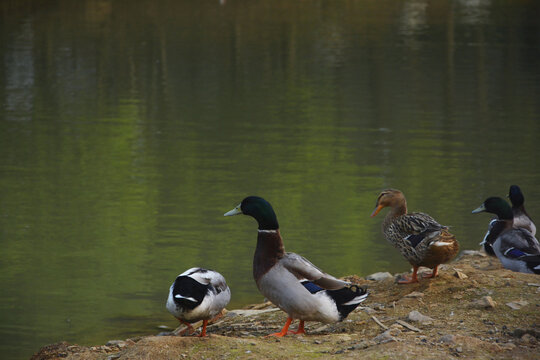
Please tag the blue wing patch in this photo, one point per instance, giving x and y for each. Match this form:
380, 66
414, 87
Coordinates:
514, 253
415, 239
311, 287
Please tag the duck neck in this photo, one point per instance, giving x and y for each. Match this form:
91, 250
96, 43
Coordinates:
395, 212
267, 253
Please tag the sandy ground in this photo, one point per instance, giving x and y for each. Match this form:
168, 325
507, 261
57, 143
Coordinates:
473, 310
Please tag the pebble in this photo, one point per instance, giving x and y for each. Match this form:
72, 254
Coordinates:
379, 276
360, 346
418, 317
120, 343
508, 346
460, 275
486, 302
415, 294
473, 253
368, 310
516, 305
384, 338
448, 339
528, 339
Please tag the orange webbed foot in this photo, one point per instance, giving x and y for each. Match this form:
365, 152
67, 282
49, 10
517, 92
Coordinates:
431, 274
412, 279
283, 331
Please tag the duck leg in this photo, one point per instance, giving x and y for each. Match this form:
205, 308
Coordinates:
283, 331
189, 328
412, 279
203, 331
432, 274
300, 329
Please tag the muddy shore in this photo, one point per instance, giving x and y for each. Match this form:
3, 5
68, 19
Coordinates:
474, 309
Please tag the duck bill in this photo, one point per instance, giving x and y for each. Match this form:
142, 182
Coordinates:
376, 211
236, 211
479, 209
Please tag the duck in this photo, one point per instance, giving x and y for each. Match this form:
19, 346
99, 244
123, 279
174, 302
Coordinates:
521, 218
419, 238
516, 248
290, 281
198, 294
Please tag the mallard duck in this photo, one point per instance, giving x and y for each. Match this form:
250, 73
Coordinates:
521, 218
419, 238
290, 281
516, 248
198, 294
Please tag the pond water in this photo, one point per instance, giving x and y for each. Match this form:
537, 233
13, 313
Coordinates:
128, 128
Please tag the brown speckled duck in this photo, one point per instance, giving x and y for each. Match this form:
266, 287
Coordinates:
419, 238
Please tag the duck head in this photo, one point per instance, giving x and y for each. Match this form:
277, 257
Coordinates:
497, 206
516, 196
259, 209
389, 198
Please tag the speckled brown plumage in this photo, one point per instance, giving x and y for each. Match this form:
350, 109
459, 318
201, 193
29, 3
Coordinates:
419, 238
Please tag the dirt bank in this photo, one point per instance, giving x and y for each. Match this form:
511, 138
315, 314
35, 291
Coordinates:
474, 309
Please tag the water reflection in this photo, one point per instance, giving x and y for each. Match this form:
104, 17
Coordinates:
413, 22
474, 12
19, 70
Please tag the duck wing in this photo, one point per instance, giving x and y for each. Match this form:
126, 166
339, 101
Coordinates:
304, 269
519, 242
207, 277
416, 228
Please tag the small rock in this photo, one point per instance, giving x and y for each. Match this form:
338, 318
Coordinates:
360, 346
418, 317
379, 276
368, 310
318, 342
460, 275
448, 339
344, 338
528, 339
384, 338
508, 346
120, 343
516, 305
473, 253
520, 332
459, 349
322, 328
414, 294
485, 302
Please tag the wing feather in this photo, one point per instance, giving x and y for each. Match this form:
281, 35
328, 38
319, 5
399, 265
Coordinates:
304, 269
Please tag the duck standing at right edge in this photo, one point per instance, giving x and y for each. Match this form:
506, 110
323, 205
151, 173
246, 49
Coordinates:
521, 218
419, 238
516, 248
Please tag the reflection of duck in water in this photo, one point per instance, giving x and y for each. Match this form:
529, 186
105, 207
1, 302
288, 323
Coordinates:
290, 281
516, 248
419, 238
